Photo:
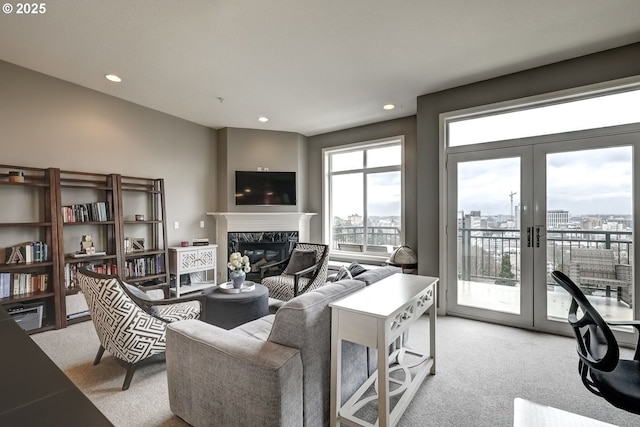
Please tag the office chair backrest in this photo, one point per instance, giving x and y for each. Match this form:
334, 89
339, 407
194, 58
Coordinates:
597, 346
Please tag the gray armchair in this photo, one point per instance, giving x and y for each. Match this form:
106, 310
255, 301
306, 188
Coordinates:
274, 371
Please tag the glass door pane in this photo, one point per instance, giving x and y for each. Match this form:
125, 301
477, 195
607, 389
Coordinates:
589, 229
493, 268
489, 235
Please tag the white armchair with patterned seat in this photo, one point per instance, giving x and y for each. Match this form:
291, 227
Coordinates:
306, 269
129, 324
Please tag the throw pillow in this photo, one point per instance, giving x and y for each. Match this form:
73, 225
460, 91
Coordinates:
355, 269
343, 273
300, 259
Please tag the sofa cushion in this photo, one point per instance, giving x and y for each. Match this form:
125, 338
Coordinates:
259, 328
375, 274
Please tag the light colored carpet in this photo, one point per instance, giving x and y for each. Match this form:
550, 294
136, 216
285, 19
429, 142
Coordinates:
481, 368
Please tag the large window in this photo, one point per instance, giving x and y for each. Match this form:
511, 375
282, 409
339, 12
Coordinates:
561, 115
363, 197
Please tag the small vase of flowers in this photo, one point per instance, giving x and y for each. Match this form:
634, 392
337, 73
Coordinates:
238, 268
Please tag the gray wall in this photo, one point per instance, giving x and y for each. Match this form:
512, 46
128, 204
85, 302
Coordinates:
600, 67
404, 126
47, 122
248, 149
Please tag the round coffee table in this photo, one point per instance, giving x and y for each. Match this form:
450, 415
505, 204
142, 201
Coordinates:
228, 310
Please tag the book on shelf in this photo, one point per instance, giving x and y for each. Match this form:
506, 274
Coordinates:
86, 212
71, 272
15, 284
147, 266
27, 253
200, 241
5, 285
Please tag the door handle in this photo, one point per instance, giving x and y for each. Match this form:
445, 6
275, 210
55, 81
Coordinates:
528, 237
538, 235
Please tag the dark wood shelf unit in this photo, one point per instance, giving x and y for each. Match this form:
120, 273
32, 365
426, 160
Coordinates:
24, 266
25, 224
90, 223
144, 196
38, 188
129, 222
142, 254
83, 190
73, 260
26, 297
151, 277
74, 320
51, 190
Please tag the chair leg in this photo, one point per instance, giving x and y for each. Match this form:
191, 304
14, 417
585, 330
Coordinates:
131, 367
99, 355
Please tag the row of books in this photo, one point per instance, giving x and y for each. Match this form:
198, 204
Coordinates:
71, 272
27, 253
142, 267
13, 284
87, 212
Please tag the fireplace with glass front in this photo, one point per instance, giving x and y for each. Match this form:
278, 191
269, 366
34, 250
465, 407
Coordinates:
262, 248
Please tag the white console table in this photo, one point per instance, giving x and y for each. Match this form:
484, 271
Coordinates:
197, 262
376, 317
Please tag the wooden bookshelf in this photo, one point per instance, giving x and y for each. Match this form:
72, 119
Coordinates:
88, 207
30, 215
58, 207
143, 217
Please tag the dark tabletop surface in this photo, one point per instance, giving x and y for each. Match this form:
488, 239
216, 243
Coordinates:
33, 390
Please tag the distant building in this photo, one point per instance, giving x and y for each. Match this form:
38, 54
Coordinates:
557, 219
355, 219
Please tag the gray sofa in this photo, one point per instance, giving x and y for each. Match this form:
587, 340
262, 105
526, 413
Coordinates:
368, 274
274, 371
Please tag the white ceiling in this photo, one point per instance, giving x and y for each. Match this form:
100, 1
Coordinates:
311, 66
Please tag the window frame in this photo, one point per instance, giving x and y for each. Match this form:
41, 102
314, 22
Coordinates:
533, 102
326, 192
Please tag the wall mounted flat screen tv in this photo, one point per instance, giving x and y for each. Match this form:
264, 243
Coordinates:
265, 188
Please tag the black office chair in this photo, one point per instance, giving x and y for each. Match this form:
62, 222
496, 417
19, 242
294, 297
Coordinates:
603, 372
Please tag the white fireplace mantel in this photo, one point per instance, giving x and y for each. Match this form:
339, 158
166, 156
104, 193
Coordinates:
229, 222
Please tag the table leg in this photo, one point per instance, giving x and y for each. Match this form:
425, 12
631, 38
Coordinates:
432, 332
336, 371
383, 377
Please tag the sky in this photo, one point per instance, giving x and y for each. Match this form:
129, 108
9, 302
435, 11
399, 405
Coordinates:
384, 195
582, 182
384, 188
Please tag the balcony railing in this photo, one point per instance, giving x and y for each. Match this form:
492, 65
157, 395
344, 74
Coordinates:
481, 251
352, 238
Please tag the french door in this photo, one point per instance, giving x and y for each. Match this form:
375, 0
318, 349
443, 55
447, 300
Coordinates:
515, 214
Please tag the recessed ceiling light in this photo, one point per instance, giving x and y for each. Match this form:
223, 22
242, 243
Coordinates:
113, 78
263, 119
388, 106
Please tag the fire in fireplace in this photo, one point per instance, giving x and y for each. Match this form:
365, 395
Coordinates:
262, 248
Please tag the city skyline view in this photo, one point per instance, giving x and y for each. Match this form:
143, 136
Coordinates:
588, 182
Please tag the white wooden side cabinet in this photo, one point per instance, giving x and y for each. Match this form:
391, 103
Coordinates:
377, 317
198, 262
